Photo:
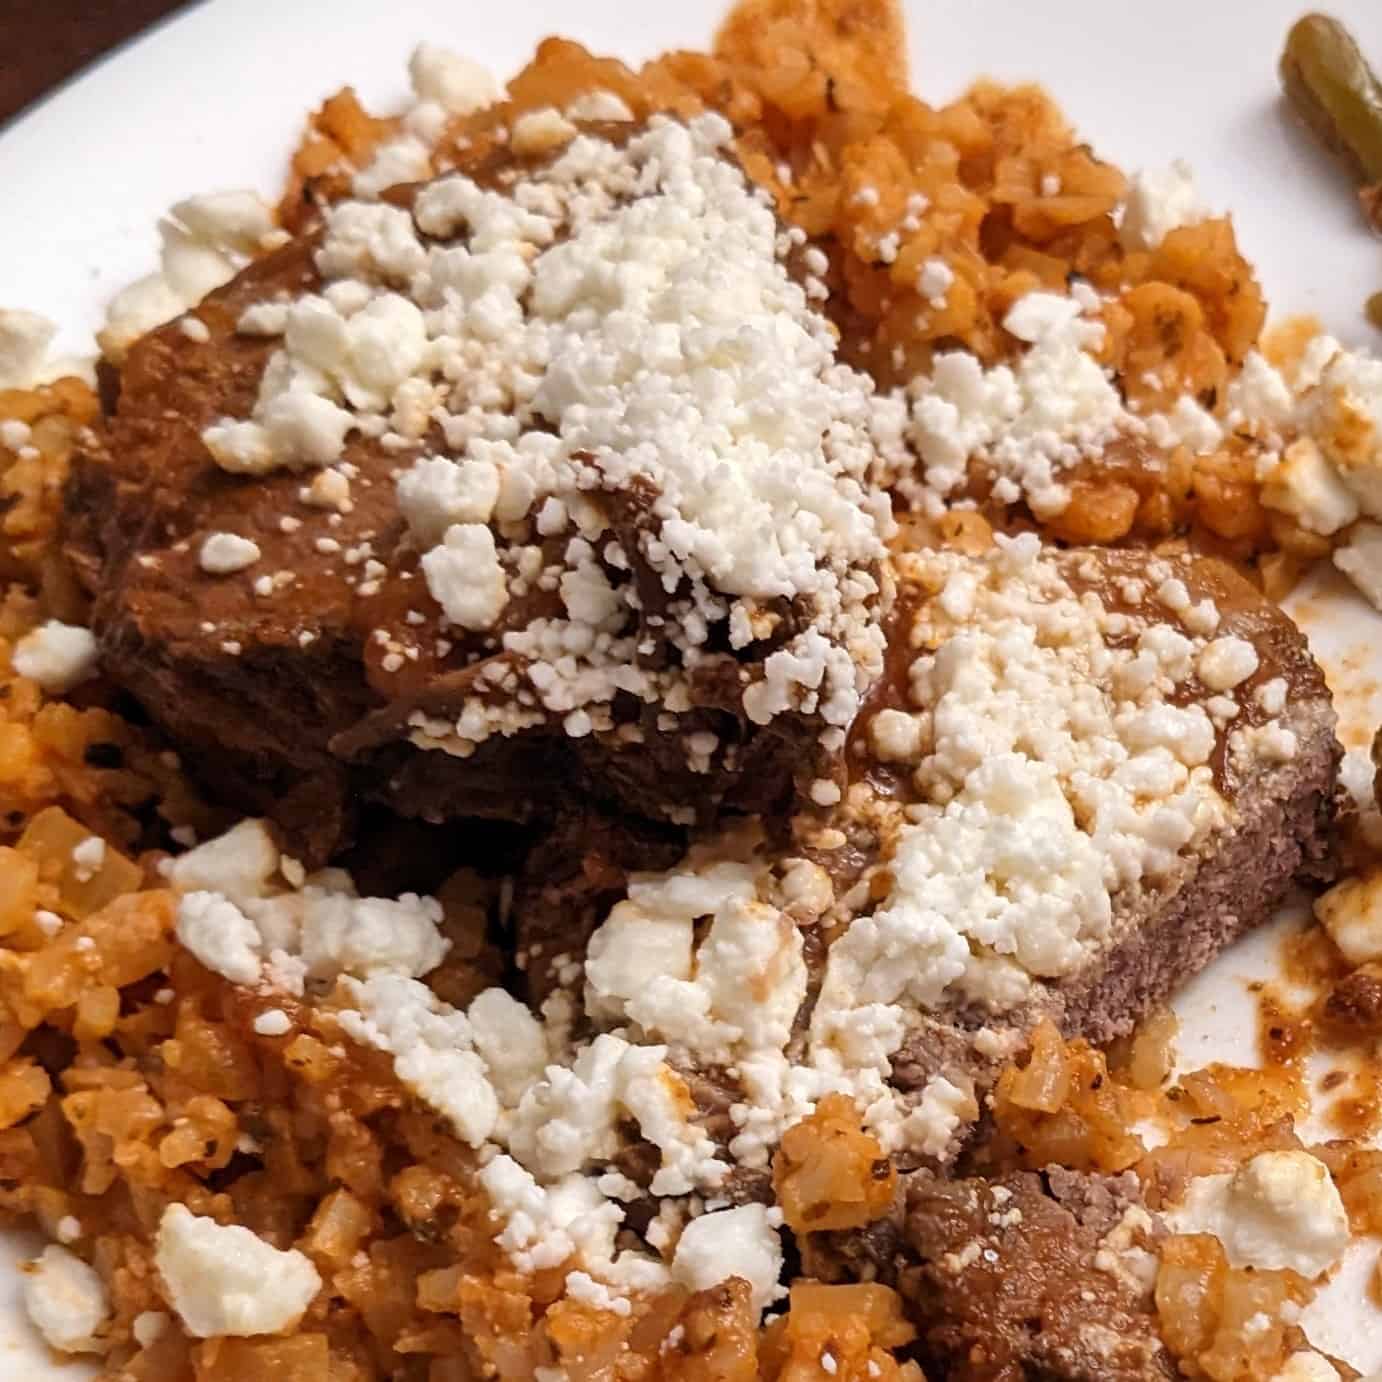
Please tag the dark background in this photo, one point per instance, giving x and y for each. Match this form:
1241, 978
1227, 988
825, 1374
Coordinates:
44, 41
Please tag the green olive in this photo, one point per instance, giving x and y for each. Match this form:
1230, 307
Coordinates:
1330, 84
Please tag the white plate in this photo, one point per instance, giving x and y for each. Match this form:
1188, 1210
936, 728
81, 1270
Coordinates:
215, 98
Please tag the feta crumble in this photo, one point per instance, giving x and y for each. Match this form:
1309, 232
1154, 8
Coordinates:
57, 656
221, 936
465, 578
237, 864
223, 553
457, 84
1226, 663
1278, 1210
24, 341
225, 1280
272, 1022
66, 1301
1359, 557
1351, 912
934, 281
206, 241
731, 1242
88, 856
1158, 202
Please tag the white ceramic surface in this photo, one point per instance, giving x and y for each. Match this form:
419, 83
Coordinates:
215, 99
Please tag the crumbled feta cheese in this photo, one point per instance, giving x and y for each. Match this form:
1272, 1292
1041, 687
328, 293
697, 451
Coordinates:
581, 1286
1028, 421
221, 936
343, 934
1268, 744
1271, 695
223, 553
934, 281
599, 105
57, 656
24, 341
749, 982
1344, 414
455, 83
465, 578
385, 341
396, 161
895, 736
955, 876
1041, 316
540, 131
1278, 1210
1359, 557
1202, 618
1186, 424
1303, 484
437, 492
511, 1042
1158, 202
294, 429
571, 1117
432, 1049
140, 308
1173, 594
1351, 912
237, 864
1063, 770
943, 1109
807, 889
302, 429
263, 319
88, 856
66, 1301
226, 1280
240, 447
206, 240
233, 220
1123, 1254
728, 1243
328, 489
546, 1226
272, 1022
1226, 662
1260, 398
631, 950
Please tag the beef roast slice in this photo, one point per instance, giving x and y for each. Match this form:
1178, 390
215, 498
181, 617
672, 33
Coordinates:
1000, 1278
1012, 1279
288, 703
